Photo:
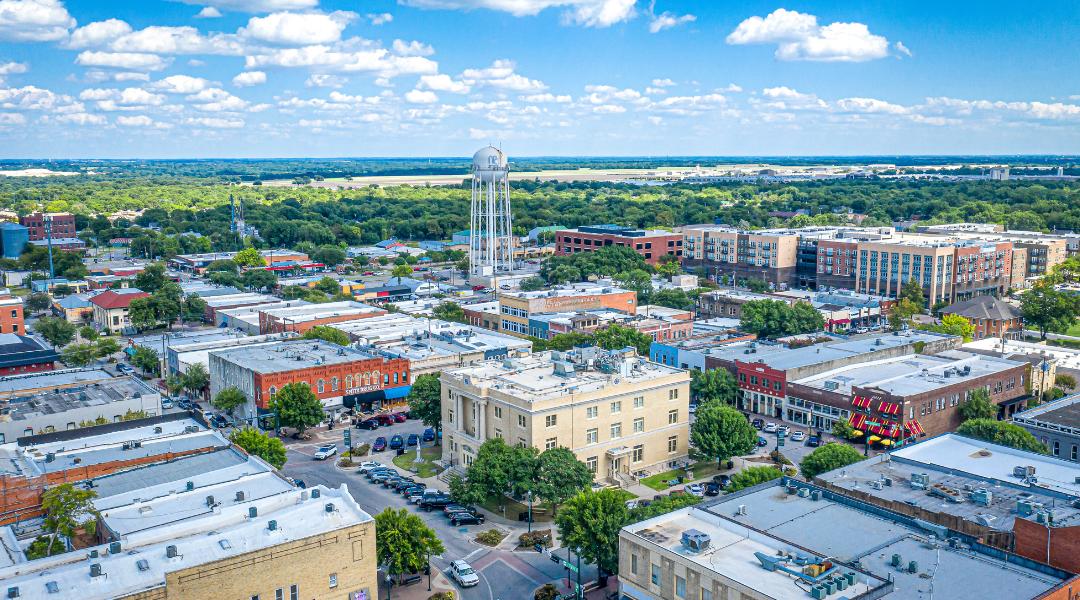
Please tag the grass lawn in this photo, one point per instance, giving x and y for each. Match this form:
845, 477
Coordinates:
701, 470
426, 469
1074, 330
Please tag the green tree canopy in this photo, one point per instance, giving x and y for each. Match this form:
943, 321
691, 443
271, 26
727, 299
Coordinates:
327, 285
403, 542
67, 509
196, 378
617, 337
194, 308
229, 399
55, 330
259, 444
152, 278
590, 524
912, 292
977, 405
952, 325
721, 432
1048, 309
425, 400
327, 334
827, 458
106, 347
561, 476
259, 279
531, 284
146, 359
249, 257
449, 311
714, 384
38, 302
78, 355
677, 299
298, 407
751, 476
1000, 432
775, 318
758, 286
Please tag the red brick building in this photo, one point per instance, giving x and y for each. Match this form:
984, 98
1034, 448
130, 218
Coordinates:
650, 244
990, 316
302, 318
63, 225
22, 354
11, 315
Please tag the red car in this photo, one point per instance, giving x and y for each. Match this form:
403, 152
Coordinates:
368, 273
477, 288
380, 444
385, 420
399, 417
416, 268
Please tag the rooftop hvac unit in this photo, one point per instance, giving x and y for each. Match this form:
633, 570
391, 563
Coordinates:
804, 492
982, 496
209, 500
190, 485
741, 510
239, 496
315, 493
1023, 472
157, 430
114, 548
13, 592
329, 508
877, 484
272, 525
815, 495
170, 551
831, 385
920, 479
95, 570
253, 512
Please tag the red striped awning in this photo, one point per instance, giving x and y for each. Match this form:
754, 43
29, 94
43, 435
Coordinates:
861, 402
915, 428
885, 430
856, 420
889, 409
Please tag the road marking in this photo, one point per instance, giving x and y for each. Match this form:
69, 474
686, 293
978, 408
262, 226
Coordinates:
474, 553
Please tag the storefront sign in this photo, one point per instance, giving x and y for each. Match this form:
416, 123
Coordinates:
361, 390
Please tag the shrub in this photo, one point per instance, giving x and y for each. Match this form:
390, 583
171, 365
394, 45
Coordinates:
548, 592
361, 450
345, 462
778, 456
535, 537
491, 537
38, 548
440, 596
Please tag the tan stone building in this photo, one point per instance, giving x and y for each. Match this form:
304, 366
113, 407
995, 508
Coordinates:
620, 414
769, 254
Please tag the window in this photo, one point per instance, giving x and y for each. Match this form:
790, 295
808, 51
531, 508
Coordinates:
680, 587
776, 385
591, 412
255, 597
551, 443
591, 436
639, 402
521, 442
1057, 447
498, 412
656, 574
279, 594
333, 384
706, 594
549, 420
672, 417
322, 386
616, 430
742, 377
1074, 452
616, 407
591, 463
639, 425
673, 394
333, 580
294, 592
633, 564
753, 380
639, 453
70, 426
521, 420
450, 416
498, 433
673, 444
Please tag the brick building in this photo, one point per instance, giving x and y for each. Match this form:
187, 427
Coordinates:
727, 252
11, 315
340, 377
302, 318
727, 303
992, 317
482, 314
23, 354
650, 244
548, 325
515, 308
62, 225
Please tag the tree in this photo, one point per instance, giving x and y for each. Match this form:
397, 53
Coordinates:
1048, 309
146, 359
935, 310
329, 255
465, 494
912, 292
901, 313
78, 355
720, 432
1064, 380
751, 476
56, 331
531, 284
676, 298
562, 476
403, 542
757, 286
977, 405
669, 267
196, 378
843, 430
38, 302
327, 334
249, 257
662, 506
952, 325
194, 308
259, 279
88, 333
827, 458
152, 278
425, 400
327, 286
106, 347
142, 312
401, 271
223, 266
615, 337
713, 385
1000, 432
298, 407
449, 311
590, 523
229, 399
775, 318
68, 509
259, 444
637, 280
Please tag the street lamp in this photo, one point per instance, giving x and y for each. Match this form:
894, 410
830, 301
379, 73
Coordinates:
530, 511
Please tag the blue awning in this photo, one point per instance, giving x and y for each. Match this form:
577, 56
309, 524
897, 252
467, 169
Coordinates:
397, 392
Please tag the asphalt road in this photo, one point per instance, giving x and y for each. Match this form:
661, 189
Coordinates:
509, 575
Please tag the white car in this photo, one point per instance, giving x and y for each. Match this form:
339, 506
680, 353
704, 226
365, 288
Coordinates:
770, 428
631, 504
325, 452
463, 573
368, 465
695, 489
798, 436
166, 404
784, 429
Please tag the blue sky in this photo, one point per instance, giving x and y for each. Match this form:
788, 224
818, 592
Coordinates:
325, 78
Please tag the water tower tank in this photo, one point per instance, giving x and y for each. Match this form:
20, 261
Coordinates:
489, 164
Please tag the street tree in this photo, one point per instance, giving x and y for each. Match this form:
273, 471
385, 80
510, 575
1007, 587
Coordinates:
56, 331
977, 405
757, 286
912, 292
561, 476
669, 266
1048, 309
78, 355
106, 347
194, 308
404, 542
249, 257
616, 337
751, 476
721, 432
196, 378
298, 407
259, 444
152, 278
223, 266
827, 458
327, 334
66, 510
38, 302
425, 400
901, 313
1064, 380
401, 271
714, 384
465, 494
676, 298
88, 333
637, 280
1000, 432
775, 318
229, 399
952, 325
663, 505
259, 279
329, 255
146, 359
327, 286
449, 311
531, 284
590, 523
142, 312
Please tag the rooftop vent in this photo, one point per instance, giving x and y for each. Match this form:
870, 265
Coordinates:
315, 493
253, 512
239, 496
190, 485
157, 430
13, 592
52, 587
695, 541
143, 565
831, 385
95, 571
272, 525
209, 500
329, 507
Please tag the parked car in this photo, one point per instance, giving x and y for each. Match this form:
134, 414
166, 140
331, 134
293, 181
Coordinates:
813, 441
463, 573
396, 442
368, 465
504, 286
712, 489
368, 273
761, 441
385, 420
784, 429
413, 441
758, 424
695, 489
798, 436
219, 421
404, 484
379, 445
381, 476
297, 482
166, 404
368, 424
444, 278
325, 452
464, 518
436, 502
429, 435
423, 492
477, 288
392, 481
770, 428
414, 493
722, 480
400, 417
184, 403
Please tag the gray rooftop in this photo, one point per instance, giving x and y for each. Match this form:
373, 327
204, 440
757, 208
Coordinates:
208, 464
909, 374
156, 343
1060, 415
983, 307
289, 356
77, 390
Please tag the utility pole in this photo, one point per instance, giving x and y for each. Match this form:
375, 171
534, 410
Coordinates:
48, 231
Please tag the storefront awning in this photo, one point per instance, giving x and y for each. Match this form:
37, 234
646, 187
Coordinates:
885, 430
861, 402
857, 420
397, 392
889, 409
915, 428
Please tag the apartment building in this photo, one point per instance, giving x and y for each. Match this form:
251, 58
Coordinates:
618, 413
548, 325
1039, 252
724, 251
651, 244
61, 224
11, 315
515, 308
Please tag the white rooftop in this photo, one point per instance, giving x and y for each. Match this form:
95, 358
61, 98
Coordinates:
908, 375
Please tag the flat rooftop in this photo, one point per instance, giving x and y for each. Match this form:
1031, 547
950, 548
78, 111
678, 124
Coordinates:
565, 293
290, 356
20, 403
1060, 415
909, 375
239, 298
854, 536
312, 312
1064, 358
156, 343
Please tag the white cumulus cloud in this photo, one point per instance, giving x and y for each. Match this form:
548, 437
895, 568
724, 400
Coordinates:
34, 21
249, 78
333, 81
442, 83
13, 68
667, 20
287, 28
138, 121
256, 6
181, 84
96, 34
216, 123
412, 48
537, 98
799, 37
123, 60
12, 119
208, 13
421, 97
501, 75
380, 19
663, 82
590, 13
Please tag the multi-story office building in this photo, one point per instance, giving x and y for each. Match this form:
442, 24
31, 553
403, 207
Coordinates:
620, 414
651, 244
61, 224
515, 308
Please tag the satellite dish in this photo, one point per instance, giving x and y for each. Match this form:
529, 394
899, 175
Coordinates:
615, 381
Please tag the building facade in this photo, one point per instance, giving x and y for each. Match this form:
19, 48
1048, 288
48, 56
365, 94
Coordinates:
111, 308
11, 315
62, 225
727, 252
515, 308
649, 244
990, 316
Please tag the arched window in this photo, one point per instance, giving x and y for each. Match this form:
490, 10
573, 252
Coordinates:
272, 391
404, 377
367, 379
322, 386
386, 379
348, 382
333, 384
395, 378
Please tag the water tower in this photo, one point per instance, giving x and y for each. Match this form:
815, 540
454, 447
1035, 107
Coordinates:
490, 247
